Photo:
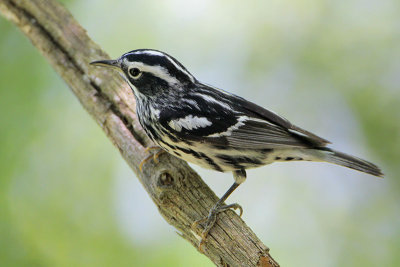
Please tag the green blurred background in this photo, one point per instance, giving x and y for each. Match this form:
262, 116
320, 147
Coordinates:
333, 67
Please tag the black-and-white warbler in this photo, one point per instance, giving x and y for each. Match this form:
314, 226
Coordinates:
213, 128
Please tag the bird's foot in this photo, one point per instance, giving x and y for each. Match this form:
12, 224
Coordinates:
152, 156
212, 218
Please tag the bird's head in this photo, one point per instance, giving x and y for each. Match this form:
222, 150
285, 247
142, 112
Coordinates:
150, 72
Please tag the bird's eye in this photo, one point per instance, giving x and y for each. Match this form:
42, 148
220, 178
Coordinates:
135, 72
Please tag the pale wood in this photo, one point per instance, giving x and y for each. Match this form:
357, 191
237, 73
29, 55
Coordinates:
179, 193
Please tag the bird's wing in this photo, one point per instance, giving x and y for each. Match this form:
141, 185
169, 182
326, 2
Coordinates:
225, 120
255, 133
271, 117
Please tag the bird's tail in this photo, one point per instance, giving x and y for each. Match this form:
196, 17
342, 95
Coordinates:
342, 159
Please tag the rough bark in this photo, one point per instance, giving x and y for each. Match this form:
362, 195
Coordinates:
179, 193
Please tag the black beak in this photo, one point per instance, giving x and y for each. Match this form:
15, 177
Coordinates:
107, 63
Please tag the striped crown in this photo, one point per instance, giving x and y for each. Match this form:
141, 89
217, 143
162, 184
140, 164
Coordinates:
158, 64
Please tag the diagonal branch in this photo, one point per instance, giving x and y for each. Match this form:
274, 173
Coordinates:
179, 193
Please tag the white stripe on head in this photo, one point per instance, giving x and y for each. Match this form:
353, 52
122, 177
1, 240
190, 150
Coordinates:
157, 71
161, 54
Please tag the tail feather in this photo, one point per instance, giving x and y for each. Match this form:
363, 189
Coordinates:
342, 159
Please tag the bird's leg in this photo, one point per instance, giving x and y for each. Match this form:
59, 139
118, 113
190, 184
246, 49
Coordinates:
152, 156
240, 177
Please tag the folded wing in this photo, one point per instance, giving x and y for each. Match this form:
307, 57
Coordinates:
222, 119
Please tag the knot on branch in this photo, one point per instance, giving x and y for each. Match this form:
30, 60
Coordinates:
165, 180
166, 184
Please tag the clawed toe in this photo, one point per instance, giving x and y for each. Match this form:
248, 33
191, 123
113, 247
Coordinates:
234, 206
143, 162
152, 156
156, 155
196, 223
211, 219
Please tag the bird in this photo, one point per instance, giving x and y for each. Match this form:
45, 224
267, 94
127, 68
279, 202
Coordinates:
214, 128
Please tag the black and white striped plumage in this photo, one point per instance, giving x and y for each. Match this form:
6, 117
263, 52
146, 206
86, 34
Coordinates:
213, 128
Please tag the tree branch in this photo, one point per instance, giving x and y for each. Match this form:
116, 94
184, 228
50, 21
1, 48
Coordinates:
179, 193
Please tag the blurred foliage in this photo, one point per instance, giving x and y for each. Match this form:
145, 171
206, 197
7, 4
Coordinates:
67, 199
